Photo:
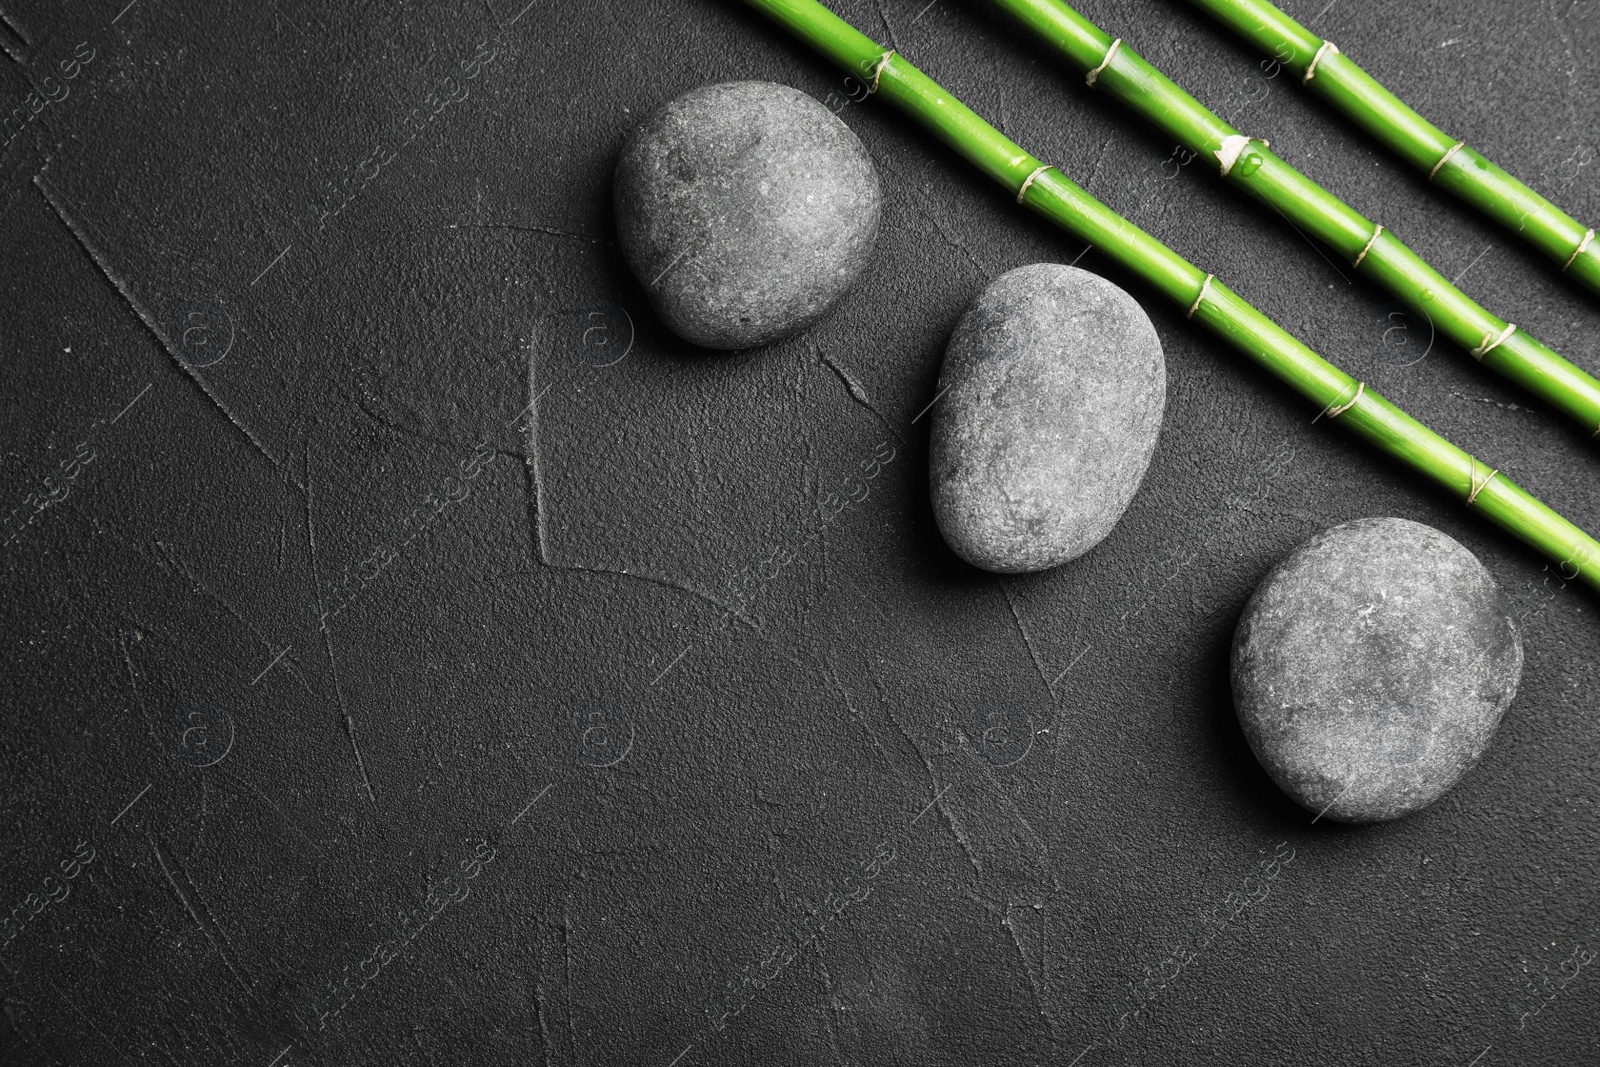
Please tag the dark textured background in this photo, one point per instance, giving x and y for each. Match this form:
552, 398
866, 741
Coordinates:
760, 877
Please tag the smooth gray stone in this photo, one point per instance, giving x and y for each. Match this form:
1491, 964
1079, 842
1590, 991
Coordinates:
1053, 389
1371, 668
746, 210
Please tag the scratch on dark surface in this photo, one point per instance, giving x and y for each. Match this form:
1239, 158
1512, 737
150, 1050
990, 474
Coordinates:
729, 610
1313, 244
171, 1009
1033, 653
166, 869
566, 939
1040, 994
1058, 740
363, 405
9, 46
216, 926
160, 560
283, 537
16, 28
549, 231
983, 902
167, 553
810, 483
273, 805
888, 29
350, 731
944, 807
1039, 848
832, 675
772, 864
1503, 406
953, 240
883, 702
200, 833
935, 215
79, 1011
857, 393
327, 631
145, 317
533, 465
828, 1017
1094, 170
539, 1012
133, 675
531, 488
960, 836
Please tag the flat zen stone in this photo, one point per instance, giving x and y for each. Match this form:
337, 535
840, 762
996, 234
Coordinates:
1371, 668
1053, 387
746, 210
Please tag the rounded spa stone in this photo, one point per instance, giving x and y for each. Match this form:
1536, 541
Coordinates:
1371, 668
745, 210
1052, 391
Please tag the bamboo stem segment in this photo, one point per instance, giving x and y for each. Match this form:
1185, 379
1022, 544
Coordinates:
1448, 163
1363, 243
1048, 192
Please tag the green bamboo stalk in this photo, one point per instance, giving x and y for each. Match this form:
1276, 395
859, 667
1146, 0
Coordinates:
1045, 190
1367, 246
1448, 162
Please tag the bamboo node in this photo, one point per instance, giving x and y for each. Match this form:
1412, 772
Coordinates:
883, 61
1327, 46
1477, 486
1490, 342
1458, 146
1205, 287
1335, 412
1233, 147
1368, 246
1023, 192
1588, 239
1104, 63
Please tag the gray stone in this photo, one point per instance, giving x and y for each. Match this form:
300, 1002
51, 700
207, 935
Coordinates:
1053, 388
1371, 668
746, 210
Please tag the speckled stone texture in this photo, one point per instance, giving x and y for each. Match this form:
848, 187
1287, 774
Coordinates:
746, 210
1372, 666
1054, 384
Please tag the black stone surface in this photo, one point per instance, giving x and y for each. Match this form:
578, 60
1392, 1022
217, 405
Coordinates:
746, 210
1371, 668
925, 816
1050, 399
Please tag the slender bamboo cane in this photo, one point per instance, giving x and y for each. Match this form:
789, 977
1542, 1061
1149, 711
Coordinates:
1045, 190
1367, 246
1447, 162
